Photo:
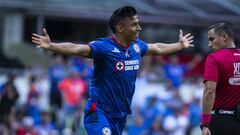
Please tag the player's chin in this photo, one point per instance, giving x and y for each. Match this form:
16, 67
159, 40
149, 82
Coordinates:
135, 37
212, 49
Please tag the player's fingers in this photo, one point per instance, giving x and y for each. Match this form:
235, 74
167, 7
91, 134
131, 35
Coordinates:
187, 35
36, 35
38, 46
34, 38
180, 33
191, 45
190, 38
190, 41
36, 42
45, 32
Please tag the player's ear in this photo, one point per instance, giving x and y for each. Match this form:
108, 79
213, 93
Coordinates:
225, 36
119, 28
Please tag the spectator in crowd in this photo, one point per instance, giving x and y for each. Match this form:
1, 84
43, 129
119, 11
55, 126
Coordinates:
136, 125
57, 72
32, 107
175, 70
194, 115
9, 96
156, 127
46, 127
27, 127
150, 111
73, 89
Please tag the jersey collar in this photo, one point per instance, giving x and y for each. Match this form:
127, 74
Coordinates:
120, 45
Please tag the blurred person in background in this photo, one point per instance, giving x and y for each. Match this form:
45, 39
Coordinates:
116, 62
8, 98
150, 111
156, 127
175, 71
194, 115
57, 72
27, 127
32, 107
136, 123
83, 66
73, 89
46, 127
221, 96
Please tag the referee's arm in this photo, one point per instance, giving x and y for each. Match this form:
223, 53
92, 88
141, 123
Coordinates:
208, 102
208, 96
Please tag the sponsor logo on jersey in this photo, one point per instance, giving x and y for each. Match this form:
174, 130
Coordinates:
234, 81
106, 131
136, 48
115, 50
127, 65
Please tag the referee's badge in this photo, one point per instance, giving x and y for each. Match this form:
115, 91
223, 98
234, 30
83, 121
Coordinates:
136, 48
106, 131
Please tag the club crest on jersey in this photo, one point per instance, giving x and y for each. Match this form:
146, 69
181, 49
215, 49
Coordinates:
106, 131
136, 48
119, 66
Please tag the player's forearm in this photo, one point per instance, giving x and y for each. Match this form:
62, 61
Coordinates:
65, 48
169, 48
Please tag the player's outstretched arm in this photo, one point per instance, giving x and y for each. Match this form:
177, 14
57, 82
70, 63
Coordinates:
67, 48
162, 48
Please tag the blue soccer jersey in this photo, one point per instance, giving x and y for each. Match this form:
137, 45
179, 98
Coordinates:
115, 72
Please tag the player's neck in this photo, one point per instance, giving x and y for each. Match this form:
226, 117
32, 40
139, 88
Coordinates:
231, 45
122, 40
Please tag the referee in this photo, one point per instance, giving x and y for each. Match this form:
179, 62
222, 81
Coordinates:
221, 96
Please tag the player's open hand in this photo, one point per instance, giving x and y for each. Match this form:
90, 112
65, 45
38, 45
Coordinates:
186, 40
41, 41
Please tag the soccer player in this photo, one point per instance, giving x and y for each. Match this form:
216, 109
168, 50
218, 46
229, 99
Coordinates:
221, 83
116, 62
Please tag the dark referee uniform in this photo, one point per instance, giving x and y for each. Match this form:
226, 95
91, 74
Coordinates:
223, 67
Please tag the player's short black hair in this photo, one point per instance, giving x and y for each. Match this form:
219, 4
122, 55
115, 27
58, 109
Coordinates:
119, 15
222, 27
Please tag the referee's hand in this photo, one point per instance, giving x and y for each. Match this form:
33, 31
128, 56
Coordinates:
206, 131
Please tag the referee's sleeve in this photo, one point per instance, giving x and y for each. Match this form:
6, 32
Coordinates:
211, 70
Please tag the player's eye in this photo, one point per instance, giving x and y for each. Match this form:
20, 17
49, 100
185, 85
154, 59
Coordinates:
133, 24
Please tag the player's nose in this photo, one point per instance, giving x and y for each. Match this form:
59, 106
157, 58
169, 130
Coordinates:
139, 28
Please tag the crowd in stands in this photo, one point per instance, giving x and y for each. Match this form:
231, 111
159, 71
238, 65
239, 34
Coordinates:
167, 99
